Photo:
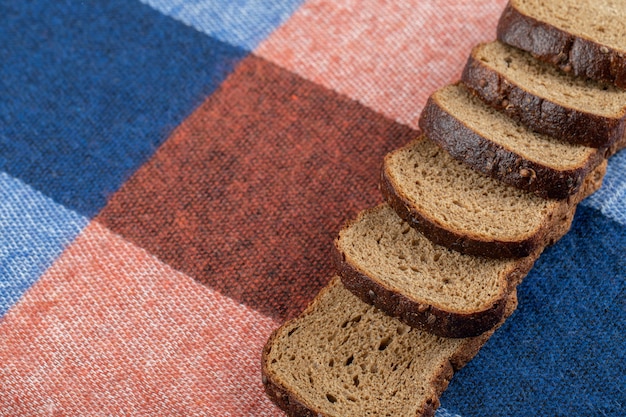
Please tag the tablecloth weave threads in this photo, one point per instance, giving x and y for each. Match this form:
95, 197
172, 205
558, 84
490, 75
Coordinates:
173, 173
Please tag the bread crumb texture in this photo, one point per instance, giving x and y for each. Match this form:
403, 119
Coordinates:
603, 21
489, 123
544, 80
462, 199
392, 253
345, 358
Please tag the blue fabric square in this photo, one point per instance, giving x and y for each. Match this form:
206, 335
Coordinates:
244, 23
563, 352
89, 90
33, 232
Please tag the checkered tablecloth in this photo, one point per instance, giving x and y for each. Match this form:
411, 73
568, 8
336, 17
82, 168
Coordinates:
173, 173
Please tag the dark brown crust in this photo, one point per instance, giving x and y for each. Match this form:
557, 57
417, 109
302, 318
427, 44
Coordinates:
578, 55
546, 234
616, 147
285, 400
420, 315
290, 403
485, 156
471, 245
423, 315
539, 114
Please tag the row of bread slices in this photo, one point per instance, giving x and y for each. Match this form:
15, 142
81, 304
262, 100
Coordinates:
423, 281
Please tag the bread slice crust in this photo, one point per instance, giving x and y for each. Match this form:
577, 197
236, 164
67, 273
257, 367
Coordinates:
573, 53
285, 395
468, 242
421, 315
420, 312
466, 144
540, 113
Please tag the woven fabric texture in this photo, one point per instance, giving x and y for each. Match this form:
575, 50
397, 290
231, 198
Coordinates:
173, 174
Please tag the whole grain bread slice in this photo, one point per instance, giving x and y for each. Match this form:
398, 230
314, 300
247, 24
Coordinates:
344, 358
545, 99
385, 262
494, 144
584, 37
462, 209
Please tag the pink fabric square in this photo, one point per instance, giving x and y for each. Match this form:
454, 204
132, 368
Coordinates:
389, 55
110, 330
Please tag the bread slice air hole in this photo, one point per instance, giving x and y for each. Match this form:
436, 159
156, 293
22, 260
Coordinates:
384, 343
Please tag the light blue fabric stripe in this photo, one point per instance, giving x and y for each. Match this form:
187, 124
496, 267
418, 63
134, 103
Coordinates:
610, 199
244, 23
34, 230
442, 412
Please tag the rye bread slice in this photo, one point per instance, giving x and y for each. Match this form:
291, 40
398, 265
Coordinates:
584, 37
494, 144
462, 209
545, 99
344, 358
385, 262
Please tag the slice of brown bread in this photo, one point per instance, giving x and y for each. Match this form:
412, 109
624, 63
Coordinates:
584, 37
545, 99
385, 262
494, 144
465, 210
344, 358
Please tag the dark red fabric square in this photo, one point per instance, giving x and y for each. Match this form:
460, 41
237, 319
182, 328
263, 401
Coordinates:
249, 192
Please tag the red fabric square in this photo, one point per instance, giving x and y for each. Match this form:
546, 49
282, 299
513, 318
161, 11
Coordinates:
249, 192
